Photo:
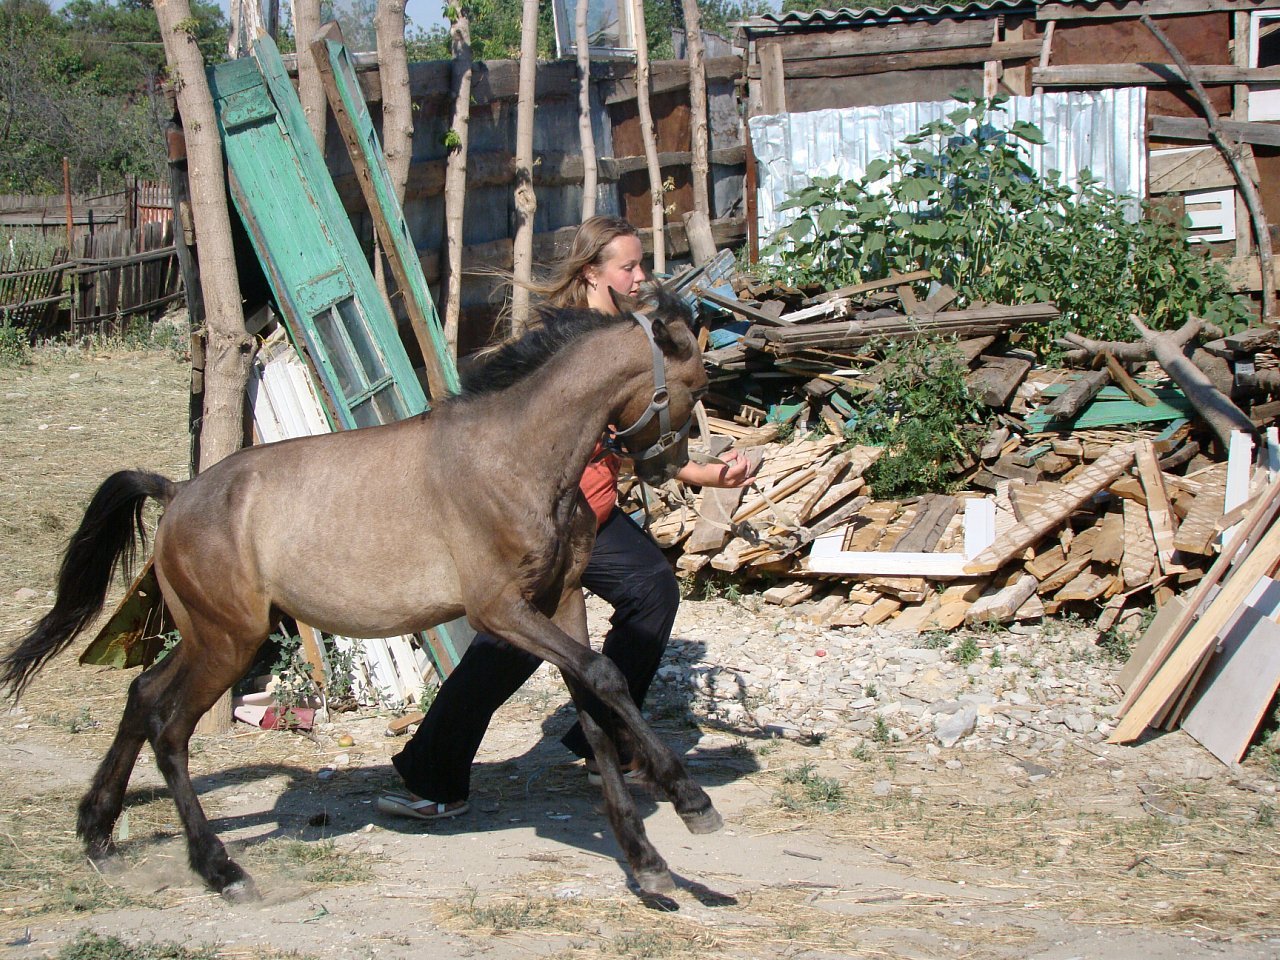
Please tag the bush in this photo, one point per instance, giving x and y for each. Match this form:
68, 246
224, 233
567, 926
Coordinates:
961, 201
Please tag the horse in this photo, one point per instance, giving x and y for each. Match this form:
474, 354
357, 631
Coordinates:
472, 508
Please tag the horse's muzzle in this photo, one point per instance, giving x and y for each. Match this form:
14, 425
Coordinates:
656, 470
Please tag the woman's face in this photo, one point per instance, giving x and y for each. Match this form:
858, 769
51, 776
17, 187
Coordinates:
619, 269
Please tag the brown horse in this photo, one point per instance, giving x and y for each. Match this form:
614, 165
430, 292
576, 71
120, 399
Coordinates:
473, 508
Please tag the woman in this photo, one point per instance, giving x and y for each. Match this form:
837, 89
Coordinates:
626, 569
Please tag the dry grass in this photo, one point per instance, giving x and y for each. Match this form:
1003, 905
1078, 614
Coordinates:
1174, 854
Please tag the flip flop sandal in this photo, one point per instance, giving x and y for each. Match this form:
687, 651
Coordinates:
397, 805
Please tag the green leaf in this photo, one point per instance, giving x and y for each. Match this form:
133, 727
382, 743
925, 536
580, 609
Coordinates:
1027, 131
876, 170
800, 228
831, 219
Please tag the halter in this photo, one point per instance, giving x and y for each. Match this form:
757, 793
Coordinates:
659, 405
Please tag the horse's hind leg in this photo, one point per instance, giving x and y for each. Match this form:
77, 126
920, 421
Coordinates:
213, 654
101, 805
646, 863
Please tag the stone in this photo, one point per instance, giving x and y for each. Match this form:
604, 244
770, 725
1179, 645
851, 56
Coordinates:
957, 726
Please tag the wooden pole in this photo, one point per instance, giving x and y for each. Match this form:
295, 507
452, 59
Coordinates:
526, 199
650, 136
455, 175
590, 173
66, 188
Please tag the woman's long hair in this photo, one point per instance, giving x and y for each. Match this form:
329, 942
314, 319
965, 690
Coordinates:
565, 285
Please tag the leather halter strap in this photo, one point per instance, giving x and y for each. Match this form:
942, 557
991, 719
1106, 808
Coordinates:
659, 405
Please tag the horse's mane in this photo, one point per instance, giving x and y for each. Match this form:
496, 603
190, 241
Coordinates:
513, 361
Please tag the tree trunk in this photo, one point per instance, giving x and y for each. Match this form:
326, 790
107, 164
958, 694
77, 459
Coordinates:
228, 348
650, 138
455, 175
397, 111
397, 116
526, 201
306, 21
1168, 348
590, 173
697, 106
244, 22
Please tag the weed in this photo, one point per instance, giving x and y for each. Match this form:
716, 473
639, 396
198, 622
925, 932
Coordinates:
94, 946
934, 640
15, 350
316, 861
880, 731
427, 696
995, 660
498, 915
650, 943
293, 686
863, 752
1266, 817
871, 690
966, 651
810, 790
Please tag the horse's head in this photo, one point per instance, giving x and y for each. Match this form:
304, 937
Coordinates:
654, 424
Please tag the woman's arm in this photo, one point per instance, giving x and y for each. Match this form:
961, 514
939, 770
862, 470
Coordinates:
735, 471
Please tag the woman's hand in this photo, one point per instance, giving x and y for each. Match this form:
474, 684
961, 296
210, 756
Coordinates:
734, 470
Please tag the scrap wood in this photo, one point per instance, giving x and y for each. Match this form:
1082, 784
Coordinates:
1168, 349
996, 378
712, 531
1134, 390
1054, 511
1078, 395
1139, 560
1109, 548
1192, 631
1159, 510
1000, 607
1241, 679
1199, 529
893, 280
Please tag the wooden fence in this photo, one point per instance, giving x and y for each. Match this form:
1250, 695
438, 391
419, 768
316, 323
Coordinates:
119, 273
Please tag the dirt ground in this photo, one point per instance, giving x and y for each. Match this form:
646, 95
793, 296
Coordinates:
833, 847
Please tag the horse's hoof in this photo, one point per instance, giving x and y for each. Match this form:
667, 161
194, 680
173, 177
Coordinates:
656, 882
703, 821
107, 862
241, 891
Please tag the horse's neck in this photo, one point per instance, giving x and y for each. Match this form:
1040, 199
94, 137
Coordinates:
565, 408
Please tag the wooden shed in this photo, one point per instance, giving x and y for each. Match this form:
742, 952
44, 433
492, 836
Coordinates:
904, 53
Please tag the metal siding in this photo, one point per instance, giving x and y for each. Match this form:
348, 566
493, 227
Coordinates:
1101, 131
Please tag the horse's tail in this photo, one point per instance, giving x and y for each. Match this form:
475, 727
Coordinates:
108, 535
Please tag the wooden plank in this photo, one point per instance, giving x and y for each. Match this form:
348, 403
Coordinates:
1181, 171
773, 94
1164, 673
1086, 585
1139, 560
858, 65
932, 516
1166, 616
1002, 605
1113, 9
1134, 390
893, 280
1109, 547
1199, 530
995, 380
1078, 395
1237, 688
718, 503
1259, 133
1070, 495
1159, 510
1146, 74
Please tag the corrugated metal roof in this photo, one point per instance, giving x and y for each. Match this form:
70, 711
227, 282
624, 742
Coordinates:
853, 15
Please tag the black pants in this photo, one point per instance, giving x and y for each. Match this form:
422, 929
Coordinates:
629, 572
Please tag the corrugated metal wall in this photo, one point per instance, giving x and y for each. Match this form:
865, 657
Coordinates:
1097, 131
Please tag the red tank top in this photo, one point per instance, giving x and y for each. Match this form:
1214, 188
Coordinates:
600, 482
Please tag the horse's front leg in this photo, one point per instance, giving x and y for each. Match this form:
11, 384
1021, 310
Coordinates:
646, 863
512, 617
